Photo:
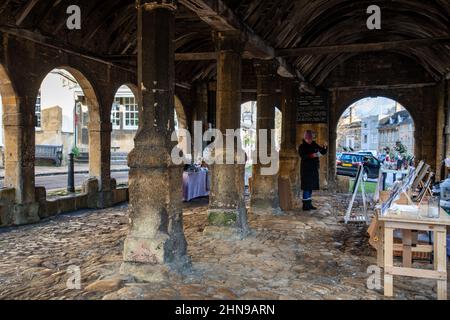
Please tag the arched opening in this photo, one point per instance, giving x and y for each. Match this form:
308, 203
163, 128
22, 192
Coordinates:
65, 110
378, 132
249, 133
180, 122
278, 128
125, 123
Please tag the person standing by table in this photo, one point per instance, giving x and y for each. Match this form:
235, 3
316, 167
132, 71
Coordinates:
401, 154
310, 152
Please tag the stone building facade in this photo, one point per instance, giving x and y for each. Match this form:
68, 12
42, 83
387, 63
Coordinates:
62, 115
369, 133
349, 137
50, 131
397, 127
124, 119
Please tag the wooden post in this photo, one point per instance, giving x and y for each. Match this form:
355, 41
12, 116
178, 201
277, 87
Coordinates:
407, 242
388, 261
440, 261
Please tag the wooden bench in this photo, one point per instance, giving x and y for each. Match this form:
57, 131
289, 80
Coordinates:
49, 152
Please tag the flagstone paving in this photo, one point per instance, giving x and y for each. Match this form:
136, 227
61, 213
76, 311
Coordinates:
295, 256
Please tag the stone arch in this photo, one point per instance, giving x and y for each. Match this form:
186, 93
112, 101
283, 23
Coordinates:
183, 124
343, 104
181, 113
86, 84
133, 87
122, 137
341, 100
99, 130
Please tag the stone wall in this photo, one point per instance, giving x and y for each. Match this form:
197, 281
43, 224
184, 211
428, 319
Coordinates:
87, 199
51, 132
123, 140
23, 66
396, 78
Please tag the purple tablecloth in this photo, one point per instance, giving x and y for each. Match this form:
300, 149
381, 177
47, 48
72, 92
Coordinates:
195, 185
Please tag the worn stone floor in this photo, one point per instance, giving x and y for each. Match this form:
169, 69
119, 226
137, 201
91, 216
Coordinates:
296, 256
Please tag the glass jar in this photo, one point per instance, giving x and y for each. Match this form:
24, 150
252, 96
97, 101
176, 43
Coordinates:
433, 207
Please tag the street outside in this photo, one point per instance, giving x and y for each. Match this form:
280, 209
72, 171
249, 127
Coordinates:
55, 178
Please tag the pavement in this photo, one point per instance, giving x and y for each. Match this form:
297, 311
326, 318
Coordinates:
42, 171
55, 178
299, 255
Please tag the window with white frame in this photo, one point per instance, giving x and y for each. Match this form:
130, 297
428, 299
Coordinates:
115, 114
131, 116
37, 111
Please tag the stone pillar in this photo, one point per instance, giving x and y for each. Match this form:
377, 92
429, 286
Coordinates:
199, 114
156, 243
264, 195
289, 158
332, 140
440, 130
100, 160
447, 124
227, 216
19, 139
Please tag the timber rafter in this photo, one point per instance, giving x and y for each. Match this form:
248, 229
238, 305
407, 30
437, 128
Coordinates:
308, 38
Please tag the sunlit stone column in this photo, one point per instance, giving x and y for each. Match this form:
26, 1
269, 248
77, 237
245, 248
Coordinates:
289, 158
264, 195
100, 160
227, 216
19, 127
156, 242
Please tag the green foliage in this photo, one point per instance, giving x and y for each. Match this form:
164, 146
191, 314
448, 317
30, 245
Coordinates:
370, 187
76, 152
222, 219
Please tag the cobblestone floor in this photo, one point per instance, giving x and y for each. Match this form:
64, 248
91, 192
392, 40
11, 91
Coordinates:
295, 256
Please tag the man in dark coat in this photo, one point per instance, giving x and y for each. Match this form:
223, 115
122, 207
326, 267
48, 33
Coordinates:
310, 152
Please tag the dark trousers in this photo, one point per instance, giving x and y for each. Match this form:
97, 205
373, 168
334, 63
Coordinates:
307, 195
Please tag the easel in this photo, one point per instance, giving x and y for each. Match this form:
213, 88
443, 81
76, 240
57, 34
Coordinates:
426, 188
421, 172
376, 196
359, 182
410, 237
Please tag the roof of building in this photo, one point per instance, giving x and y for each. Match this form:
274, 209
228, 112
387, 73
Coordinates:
275, 26
396, 119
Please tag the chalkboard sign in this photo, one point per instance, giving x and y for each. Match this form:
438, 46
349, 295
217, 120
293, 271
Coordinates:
312, 109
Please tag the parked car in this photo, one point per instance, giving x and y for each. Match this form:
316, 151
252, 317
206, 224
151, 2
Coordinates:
368, 153
348, 165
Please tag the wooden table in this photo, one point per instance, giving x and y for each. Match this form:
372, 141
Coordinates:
407, 222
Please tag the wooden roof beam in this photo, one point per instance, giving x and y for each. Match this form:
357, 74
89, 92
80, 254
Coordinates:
361, 47
25, 11
221, 18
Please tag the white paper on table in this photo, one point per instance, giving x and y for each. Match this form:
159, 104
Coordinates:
404, 208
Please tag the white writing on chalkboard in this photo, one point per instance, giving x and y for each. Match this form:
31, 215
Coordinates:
312, 109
